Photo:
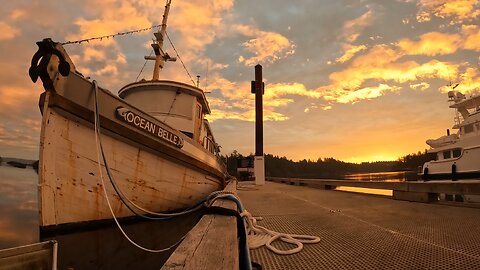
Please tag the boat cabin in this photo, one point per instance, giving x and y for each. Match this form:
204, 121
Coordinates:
179, 105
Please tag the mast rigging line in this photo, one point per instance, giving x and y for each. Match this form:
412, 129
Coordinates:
112, 35
179, 58
144, 64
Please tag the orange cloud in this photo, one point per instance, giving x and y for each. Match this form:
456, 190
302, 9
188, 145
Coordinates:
381, 63
456, 10
249, 115
267, 47
14, 96
352, 28
431, 44
345, 96
198, 22
469, 82
7, 32
471, 35
350, 52
277, 90
422, 86
17, 14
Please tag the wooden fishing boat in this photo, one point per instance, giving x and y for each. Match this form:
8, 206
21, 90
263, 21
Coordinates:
159, 149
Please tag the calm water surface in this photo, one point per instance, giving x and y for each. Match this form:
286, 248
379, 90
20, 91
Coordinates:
383, 176
100, 248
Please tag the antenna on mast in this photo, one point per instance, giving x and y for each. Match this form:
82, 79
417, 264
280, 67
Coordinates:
160, 55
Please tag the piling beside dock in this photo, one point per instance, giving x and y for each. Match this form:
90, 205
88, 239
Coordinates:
360, 231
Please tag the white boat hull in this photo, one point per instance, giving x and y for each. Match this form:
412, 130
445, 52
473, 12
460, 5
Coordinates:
70, 186
463, 167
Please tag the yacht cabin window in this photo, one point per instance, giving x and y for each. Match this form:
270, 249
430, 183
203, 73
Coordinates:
457, 152
447, 154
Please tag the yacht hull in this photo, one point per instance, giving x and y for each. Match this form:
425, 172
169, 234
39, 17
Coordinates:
463, 167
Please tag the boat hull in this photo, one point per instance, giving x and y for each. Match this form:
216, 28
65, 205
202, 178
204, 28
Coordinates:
463, 167
70, 187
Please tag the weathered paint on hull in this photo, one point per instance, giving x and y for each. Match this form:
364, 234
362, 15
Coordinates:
70, 187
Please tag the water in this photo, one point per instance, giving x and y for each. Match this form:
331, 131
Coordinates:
99, 247
383, 176
379, 176
18, 206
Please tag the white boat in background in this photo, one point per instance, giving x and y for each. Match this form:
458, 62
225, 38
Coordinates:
457, 155
159, 148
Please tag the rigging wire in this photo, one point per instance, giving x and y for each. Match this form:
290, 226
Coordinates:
178, 56
80, 41
144, 64
111, 36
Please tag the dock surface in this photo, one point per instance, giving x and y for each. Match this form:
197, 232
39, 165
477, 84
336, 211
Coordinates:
361, 231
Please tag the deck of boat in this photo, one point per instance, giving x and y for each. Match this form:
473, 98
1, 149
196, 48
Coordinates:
361, 231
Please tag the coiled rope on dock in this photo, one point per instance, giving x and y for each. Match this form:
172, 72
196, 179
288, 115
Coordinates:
259, 236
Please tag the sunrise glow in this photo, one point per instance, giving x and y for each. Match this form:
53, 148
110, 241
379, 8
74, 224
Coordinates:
360, 82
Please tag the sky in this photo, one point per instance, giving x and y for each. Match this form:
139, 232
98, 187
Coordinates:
356, 80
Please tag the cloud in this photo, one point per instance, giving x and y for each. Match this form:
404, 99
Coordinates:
352, 28
431, 44
471, 34
469, 82
350, 52
421, 86
8, 32
345, 96
267, 47
17, 14
457, 11
198, 23
277, 90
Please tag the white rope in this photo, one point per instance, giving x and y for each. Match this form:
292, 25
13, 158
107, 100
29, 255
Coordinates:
258, 236
97, 143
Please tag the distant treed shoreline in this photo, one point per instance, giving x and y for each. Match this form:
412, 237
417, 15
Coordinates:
276, 166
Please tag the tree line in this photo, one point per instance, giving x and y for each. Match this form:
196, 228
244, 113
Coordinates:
276, 166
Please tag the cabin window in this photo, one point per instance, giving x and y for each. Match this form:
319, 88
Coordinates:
457, 152
447, 154
468, 128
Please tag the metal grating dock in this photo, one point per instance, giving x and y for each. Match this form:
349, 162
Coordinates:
363, 231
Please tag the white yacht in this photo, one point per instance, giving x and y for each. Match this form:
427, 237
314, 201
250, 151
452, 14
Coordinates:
458, 154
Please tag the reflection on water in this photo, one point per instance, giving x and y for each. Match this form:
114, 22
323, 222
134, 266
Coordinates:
379, 176
383, 176
101, 248
18, 206
107, 248
384, 192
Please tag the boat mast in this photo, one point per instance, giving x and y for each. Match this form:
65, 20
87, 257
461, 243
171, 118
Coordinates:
160, 55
